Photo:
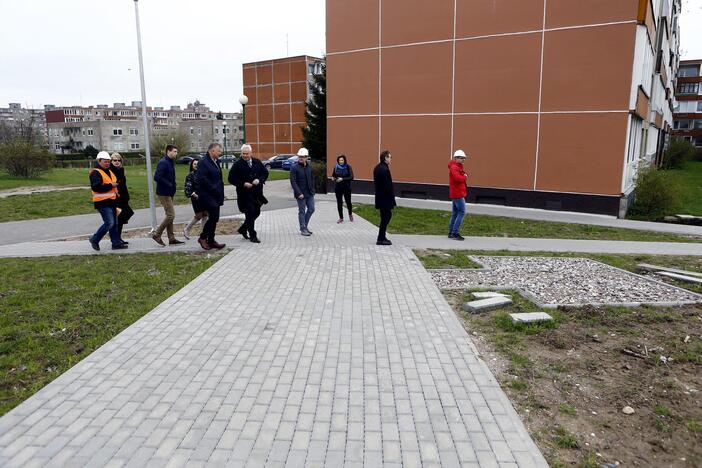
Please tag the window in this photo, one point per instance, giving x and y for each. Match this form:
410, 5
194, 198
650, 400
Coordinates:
83, 132
90, 132
682, 124
116, 131
216, 130
57, 146
134, 146
698, 124
199, 130
689, 71
133, 131
698, 141
688, 88
119, 146
687, 106
191, 131
699, 106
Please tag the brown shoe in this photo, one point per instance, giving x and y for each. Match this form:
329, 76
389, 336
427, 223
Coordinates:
217, 245
203, 243
158, 240
175, 242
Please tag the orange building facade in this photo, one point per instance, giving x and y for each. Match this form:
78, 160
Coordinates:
277, 91
554, 101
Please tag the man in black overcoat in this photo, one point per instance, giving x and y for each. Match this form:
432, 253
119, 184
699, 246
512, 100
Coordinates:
384, 195
249, 175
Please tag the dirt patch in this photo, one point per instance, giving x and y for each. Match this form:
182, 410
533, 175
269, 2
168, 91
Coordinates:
37, 189
224, 227
571, 379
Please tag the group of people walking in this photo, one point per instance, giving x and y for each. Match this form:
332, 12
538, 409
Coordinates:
205, 189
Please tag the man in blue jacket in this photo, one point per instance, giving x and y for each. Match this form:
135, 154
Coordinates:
211, 192
165, 178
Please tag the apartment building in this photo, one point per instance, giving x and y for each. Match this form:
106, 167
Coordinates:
228, 133
277, 92
15, 115
555, 102
120, 127
688, 94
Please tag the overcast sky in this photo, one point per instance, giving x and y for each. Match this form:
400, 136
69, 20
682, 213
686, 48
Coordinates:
83, 52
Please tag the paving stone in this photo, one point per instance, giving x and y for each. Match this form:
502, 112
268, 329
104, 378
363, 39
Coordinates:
484, 305
488, 294
530, 317
364, 364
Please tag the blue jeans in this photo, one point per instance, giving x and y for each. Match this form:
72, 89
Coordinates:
458, 212
109, 224
305, 209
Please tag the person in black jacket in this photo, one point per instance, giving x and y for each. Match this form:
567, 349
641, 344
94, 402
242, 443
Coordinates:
124, 210
342, 176
302, 183
103, 184
384, 195
165, 179
190, 189
249, 175
211, 194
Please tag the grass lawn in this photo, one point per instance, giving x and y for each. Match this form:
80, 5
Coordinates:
72, 202
55, 311
690, 180
435, 222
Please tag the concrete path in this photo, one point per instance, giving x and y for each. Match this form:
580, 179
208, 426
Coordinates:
542, 215
319, 351
517, 244
278, 193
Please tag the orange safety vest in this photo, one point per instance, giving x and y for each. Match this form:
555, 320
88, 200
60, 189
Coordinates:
106, 179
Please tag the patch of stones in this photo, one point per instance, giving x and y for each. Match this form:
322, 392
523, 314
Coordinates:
557, 281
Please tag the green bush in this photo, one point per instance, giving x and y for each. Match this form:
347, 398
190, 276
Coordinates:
656, 194
319, 172
21, 158
677, 153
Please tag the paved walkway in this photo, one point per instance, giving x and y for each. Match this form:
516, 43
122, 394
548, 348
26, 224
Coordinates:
319, 351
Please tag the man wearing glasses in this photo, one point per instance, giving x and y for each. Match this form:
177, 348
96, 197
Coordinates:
248, 176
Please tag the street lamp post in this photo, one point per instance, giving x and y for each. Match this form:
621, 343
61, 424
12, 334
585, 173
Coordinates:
150, 183
243, 100
224, 132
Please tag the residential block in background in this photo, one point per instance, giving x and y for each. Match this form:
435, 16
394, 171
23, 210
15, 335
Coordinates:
277, 92
555, 101
688, 94
120, 127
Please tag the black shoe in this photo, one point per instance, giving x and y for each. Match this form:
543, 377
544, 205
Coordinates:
458, 237
175, 242
94, 245
255, 240
158, 240
451, 235
119, 247
216, 245
383, 242
243, 232
122, 241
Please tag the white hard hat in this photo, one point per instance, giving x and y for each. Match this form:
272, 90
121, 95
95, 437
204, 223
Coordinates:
103, 155
303, 152
459, 154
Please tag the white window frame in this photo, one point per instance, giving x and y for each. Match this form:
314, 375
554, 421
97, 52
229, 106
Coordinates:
117, 132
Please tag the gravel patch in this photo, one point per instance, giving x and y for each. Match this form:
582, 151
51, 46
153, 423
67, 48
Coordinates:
553, 281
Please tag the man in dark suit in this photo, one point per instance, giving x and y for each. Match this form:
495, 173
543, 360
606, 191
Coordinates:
211, 192
384, 195
249, 175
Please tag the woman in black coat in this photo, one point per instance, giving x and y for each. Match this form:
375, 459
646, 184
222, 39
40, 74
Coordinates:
384, 195
342, 176
125, 211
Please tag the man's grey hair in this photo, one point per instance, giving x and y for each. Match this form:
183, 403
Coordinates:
246, 148
213, 146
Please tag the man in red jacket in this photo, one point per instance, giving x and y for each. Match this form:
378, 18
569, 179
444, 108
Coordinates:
458, 191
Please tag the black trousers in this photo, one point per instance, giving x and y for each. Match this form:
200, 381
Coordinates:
385, 216
346, 195
251, 213
208, 230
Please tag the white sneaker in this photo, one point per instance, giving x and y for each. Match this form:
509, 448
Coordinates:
186, 233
